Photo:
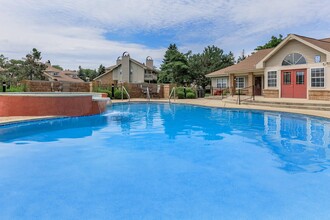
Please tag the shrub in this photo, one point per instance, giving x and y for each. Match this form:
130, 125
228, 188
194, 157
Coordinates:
16, 89
104, 91
180, 94
179, 89
191, 95
190, 90
118, 94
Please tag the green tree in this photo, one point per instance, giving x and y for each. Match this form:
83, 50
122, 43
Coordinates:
212, 59
33, 67
174, 68
3, 61
273, 42
12, 70
87, 74
101, 70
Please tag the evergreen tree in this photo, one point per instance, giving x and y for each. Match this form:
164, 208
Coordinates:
174, 68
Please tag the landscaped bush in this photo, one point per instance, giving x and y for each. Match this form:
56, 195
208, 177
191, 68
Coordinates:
118, 94
180, 94
104, 91
21, 88
191, 95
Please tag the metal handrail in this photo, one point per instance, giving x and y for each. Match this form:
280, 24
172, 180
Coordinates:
171, 93
222, 92
122, 93
148, 93
239, 94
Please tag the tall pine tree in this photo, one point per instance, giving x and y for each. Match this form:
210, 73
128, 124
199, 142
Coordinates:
174, 68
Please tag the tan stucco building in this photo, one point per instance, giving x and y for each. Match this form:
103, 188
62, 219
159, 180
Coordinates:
128, 70
298, 67
53, 74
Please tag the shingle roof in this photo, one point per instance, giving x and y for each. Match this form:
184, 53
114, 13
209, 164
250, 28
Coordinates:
248, 64
325, 39
107, 70
62, 76
323, 43
52, 69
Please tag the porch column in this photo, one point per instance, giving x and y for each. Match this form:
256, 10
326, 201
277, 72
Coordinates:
250, 83
232, 84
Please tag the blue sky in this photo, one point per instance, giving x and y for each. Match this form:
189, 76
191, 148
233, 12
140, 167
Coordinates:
90, 33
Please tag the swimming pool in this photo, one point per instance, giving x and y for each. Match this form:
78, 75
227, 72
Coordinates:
167, 161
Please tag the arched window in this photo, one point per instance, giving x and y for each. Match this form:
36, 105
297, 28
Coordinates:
294, 59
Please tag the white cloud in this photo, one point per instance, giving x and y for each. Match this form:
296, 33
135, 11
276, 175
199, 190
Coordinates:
71, 33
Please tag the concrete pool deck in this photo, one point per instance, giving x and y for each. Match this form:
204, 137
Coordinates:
200, 102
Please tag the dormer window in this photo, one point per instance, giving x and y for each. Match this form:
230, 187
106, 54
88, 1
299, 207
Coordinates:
294, 59
55, 73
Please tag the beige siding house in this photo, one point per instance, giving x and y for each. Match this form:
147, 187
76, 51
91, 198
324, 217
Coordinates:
129, 70
54, 74
298, 67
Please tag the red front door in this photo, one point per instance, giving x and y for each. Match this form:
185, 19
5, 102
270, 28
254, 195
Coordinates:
294, 84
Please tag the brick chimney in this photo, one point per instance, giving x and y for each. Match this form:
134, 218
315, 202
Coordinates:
125, 67
149, 62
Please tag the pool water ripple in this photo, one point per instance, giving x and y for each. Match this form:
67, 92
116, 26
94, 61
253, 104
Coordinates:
167, 161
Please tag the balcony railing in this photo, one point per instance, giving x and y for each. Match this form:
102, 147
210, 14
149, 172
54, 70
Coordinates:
149, 76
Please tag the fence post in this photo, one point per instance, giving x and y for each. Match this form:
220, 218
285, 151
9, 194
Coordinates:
122, 92
239, 96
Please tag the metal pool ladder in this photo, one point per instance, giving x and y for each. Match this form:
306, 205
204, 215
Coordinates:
123, 89
172, 93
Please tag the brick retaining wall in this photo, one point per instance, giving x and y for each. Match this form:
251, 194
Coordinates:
54, 86
319, 95
270, 93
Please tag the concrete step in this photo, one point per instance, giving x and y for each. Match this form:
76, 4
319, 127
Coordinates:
290, 103
280, 104
308, 107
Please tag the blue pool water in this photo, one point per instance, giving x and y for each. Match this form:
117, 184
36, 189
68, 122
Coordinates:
161, 161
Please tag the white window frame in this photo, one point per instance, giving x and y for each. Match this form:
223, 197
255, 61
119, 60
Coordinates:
221, 81
238, 83
311, 78
272, 79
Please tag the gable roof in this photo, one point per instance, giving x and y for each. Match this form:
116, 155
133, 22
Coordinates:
323, 43
111, 68
52, 69
246, 65
64, 76
107, 70
320, 45
326, 39
142, 65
